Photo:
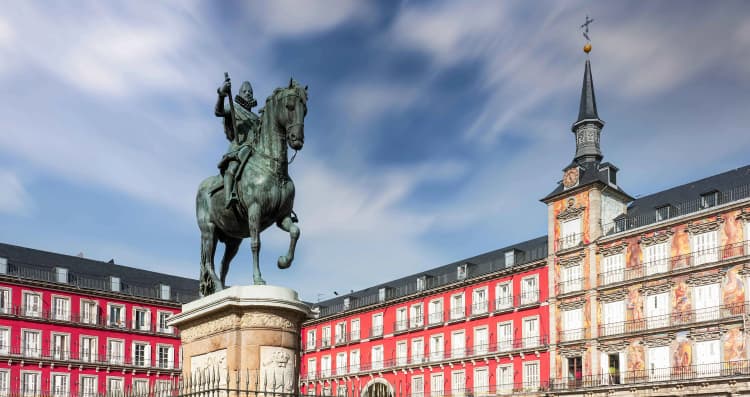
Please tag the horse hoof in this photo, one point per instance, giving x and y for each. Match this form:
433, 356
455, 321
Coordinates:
284, 262
259, 281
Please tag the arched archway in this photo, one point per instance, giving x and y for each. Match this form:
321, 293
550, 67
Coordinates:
377, 387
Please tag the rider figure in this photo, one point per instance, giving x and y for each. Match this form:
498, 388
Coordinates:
246, 122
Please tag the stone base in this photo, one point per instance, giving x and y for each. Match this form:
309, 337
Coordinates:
248, 331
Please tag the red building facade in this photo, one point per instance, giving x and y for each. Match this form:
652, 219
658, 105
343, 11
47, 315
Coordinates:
73, 326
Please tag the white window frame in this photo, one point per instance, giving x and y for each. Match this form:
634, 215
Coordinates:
433, 316
458, 344
572, 324
56, 389
89, 310
570, 233
88, 355
377, 357
5, 382
377, 325
355, 330
416, 320
160, 347
655, 316
481, 388
112, 357
417, 353
572, 276
325, 366
165, 292
146, 362
530, 294
115, 380
530, 339
402, 352
341, 363
417, 386
340, 332
531, 379
6, 300
61, 275
325, 336
32, 309
163, 317
60, 352
613, 268
510, 258
504, 300
437, 385
501, 386
481, 348
437, 347
708, 357
656, 258
458, 306
658, 371
85, 381
402, 319
312, 368
31, 349
36, 388
115, 284
505, 336
479, 300
5, 340
119, 322
462, 271
140, 386
60, 308
706, 300
310, 345
458, 383
613, 316
705, 247
354, 363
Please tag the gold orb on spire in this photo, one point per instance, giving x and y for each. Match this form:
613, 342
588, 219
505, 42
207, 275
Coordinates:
587, 48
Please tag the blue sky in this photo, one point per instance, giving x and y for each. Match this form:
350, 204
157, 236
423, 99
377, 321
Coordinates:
433, 127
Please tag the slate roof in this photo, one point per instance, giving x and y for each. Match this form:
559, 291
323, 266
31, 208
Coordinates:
591, 172
587, 108
527, 251
93, 274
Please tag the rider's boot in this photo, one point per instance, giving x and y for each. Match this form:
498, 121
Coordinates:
230, 194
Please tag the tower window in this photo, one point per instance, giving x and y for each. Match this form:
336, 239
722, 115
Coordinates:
709, 199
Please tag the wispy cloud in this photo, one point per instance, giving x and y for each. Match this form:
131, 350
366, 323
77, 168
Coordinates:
14, 199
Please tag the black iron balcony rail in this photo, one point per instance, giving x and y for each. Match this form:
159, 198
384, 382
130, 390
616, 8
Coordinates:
376, 332
569, 241
480, 307
570, 286
457, 313
684, 208
709, 314
97, 321
681, 374
79, 355
401, 325
675, 263
573, 335
515, 301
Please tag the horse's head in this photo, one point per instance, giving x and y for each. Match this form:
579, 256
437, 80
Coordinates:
290, 112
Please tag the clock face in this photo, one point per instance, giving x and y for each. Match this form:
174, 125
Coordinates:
570, 178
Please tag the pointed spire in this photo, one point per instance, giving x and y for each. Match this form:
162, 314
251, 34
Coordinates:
587, 109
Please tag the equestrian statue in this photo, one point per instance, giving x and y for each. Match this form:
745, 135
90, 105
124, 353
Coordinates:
254, 177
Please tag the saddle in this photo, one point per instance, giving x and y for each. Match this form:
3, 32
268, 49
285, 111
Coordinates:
242, 154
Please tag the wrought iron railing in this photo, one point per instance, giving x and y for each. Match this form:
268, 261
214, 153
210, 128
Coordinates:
78, 355
570, 286
708, 314
569, 241
675, 263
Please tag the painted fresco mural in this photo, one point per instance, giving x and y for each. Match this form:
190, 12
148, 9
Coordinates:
580, 199
634, 304
682, 298
734, 346
733, 290
682, 353
636, 357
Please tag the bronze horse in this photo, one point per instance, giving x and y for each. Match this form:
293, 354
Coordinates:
264, 189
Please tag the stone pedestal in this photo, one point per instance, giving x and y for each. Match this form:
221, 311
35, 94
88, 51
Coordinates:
248, 331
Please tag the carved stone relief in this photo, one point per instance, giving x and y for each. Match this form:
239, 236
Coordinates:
570, 305
212, 362
657, 289
613, 250
235, 321
656, 238
615, 296
571, 212
744, 215
698, 228
277, 370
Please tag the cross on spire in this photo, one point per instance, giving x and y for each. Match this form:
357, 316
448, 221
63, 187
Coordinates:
585, 27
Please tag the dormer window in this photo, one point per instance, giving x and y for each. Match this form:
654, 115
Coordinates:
461, 271
709, 199
665, 212
3, 265
165, 292
61, 275
114, 284
421, 283
347, 303
510, 258
381, 295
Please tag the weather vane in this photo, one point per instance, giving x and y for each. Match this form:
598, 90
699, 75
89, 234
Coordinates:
585, 27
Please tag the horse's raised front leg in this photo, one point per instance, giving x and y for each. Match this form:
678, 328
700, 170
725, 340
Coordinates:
287, 225
209, 283
231, 245
253, 218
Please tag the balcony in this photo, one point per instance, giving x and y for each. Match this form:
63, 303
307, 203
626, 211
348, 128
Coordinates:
569, 241
341, 339
573, 335
528, 298
675, 264
570, 286
679, 375
99, 321
376, 332
480, 307
401, 325
434, 318
416, 322
76, 355
710, 314
508, 303
325, 342
458, 313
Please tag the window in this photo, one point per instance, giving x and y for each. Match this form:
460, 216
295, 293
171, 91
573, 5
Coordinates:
61, 275
503, 296
417, 386
458, 344
166, 356
658, 363
88, 386
354, 361
614, 318
114, 284
421, 283
571, 233
4, 341
88, 349
377, 357
575, 371
60, 346
89, 312
310, 339
377, 325
32, 343
325, 366
32, 303
479, 301
165, 292
504, 379
401, 321
436, 385
60, 308
60, 385
140, 387
572, 278
341, 363
613, 267
163, 325
341, 332
458, 383
572, 324
115, 386
381, 295
435, 315
141, 354
347, 303
709, 199
529, 290
417, 351
530, 332
3, 265
706, 299
461, 271
31, 384
510, 258
355, 329
325, 340
416, 317
505, 336
531, 375
656, 258
705, 247
401, 353
311, 368
481, 381
481, 341
458, 310
116, 351
437, 347
5, 303
116, 316
708, 358
4, 383
665, 212
657, 310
